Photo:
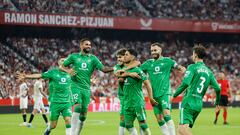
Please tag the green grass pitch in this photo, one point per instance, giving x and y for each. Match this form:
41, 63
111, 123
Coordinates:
106, 123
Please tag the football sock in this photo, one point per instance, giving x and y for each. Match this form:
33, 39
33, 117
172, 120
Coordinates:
68, 129
31, 118
225, 115
164, 127
45, 118
24, 117
74, 122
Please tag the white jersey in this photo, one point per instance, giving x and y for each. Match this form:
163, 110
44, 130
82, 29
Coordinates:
37, 87
23, 96
23, 90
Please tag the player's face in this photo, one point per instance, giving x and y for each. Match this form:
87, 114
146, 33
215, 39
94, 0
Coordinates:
156, 52
120, 59
221, 75
60, 62
86, 46
194, 56
127, 57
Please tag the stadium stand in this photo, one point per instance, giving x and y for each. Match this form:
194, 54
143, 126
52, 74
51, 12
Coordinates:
182, 9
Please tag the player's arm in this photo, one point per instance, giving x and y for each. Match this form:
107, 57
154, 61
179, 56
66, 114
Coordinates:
180, 89
134, 64
185, 83
149, 91
106, 69
180, 68
214, 84
28, 76
125, 74
229, 90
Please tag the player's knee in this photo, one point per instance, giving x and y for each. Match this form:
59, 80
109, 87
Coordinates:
159, 117
166, 112
180, 130
53, 126
121, 118
68, 120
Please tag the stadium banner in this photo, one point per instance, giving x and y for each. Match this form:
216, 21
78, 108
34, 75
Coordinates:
124, 23
103, 107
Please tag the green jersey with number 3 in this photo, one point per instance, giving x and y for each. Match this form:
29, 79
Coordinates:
60, 83
197, 77
159, 74
84, 65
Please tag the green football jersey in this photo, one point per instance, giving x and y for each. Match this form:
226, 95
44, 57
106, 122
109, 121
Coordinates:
120, 85
159, 74
84, 65
60, 83
133, 95
197, 79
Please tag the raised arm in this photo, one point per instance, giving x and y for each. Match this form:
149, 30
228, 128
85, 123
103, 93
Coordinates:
28, 76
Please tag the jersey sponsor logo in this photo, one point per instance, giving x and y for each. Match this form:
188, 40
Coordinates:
157, 70
83, 66
63, 80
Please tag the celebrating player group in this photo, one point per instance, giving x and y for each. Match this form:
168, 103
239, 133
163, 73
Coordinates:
69, 86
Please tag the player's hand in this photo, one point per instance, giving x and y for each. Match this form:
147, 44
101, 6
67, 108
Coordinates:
20, 76
153, 102
72, 72
120, 72
134, 75
121, 80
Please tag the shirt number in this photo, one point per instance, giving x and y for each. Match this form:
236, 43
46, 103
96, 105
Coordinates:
199, 90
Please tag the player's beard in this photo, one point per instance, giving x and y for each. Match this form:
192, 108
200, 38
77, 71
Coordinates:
86, 50
155, 56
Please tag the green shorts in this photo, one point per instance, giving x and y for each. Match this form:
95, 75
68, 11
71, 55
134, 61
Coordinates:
164, 103
80, 96
188, 116
121, 111
60, 108
134, 112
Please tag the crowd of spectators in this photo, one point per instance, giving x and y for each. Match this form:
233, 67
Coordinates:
44, 53
182, 9
10, 64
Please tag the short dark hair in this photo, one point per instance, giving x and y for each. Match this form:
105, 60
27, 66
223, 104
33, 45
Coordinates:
200, 50
132, 52
84, 39
121, 51
157, 44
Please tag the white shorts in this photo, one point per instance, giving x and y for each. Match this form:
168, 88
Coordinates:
23, 103
38, 103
